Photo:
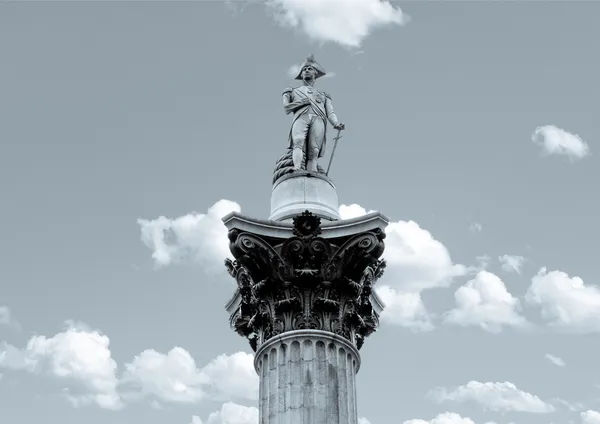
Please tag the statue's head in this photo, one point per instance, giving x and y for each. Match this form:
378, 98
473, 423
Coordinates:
308, 73
310, 69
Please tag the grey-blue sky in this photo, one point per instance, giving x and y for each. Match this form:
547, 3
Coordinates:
118, 111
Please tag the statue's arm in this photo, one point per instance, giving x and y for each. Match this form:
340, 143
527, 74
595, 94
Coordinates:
331, 116
290, 105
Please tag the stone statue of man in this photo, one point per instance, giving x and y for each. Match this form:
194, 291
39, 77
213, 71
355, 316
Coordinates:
312, 109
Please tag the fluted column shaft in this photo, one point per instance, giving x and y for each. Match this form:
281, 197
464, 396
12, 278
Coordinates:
307, 377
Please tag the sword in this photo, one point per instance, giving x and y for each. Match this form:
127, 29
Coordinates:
335, 142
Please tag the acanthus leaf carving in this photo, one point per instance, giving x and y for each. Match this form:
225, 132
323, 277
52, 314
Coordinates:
305, 282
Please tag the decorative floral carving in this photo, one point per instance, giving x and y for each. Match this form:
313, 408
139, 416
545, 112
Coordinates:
307, 225
305, 281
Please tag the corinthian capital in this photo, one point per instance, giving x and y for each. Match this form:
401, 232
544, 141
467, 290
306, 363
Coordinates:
305, 276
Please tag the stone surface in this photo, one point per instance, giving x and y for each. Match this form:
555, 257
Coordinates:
314, 278
299, 191
307, 376
305, 298
280, 230
305, 302
312, 109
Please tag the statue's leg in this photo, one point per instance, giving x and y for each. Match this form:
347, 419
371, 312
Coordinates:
298, 155
299, 133
316, 136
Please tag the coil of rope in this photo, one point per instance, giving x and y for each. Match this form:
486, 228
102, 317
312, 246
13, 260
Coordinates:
285, 165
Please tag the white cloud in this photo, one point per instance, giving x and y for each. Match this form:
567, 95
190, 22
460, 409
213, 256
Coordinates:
81, 358
174, 377
475, 227
363, 420
555, 360
293, 71
485, 302
571, 406
13, 358
232, 376
512, 263
77, 355
404, 309
566, 302
4, 315
352, 211
494, 396
590, 417
445, 418
231, 413
415, 262
198, 237
556, 141
346, 23
482, 262
7, 319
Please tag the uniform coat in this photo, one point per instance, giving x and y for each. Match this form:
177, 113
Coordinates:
309, 126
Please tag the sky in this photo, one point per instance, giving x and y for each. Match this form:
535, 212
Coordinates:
128, 129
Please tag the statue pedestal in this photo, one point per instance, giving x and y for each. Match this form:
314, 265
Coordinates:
300, 191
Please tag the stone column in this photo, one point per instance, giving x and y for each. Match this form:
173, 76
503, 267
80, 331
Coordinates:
307, 377
305, 302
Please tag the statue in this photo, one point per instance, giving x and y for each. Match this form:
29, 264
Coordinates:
312, 109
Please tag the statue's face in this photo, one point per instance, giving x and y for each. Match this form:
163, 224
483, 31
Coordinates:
308, 72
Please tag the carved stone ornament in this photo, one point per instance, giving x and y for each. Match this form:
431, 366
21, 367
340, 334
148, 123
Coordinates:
305, 282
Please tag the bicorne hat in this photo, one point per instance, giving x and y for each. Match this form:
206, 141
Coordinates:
310, 61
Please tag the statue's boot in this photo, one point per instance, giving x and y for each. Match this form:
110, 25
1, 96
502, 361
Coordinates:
297, 156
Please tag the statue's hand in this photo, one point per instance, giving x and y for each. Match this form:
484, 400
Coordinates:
305, 101
339, 126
